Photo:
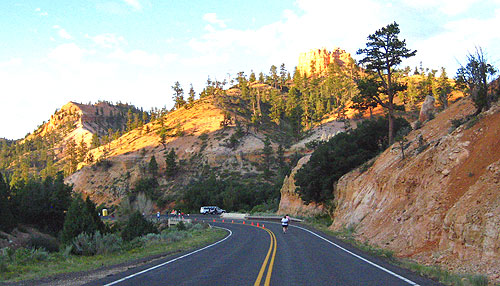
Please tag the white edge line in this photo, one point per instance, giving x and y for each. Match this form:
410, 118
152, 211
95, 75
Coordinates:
359, 257
173, 260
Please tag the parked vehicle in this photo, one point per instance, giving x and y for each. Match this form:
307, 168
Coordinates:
211, 210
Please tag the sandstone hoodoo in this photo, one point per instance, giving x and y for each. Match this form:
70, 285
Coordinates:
290, 202
318, 60
427, 109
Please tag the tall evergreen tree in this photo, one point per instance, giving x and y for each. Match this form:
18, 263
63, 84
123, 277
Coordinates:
153, 166
178, 95
475, 77
267, 157
71, 154
384, 51
78, 220
7, 220
443, 88
191, 96
171, 163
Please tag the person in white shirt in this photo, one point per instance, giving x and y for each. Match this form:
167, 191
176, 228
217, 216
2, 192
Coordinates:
284, 223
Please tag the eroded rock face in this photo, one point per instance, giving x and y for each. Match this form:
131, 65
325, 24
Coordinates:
290, 202
427, 110
320, 59
441, 205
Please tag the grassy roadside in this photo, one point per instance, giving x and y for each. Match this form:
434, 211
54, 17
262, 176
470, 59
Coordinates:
56, 263
347, 235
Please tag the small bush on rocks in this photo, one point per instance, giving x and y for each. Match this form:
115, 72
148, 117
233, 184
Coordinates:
38, 241
137, 226
94, 244
181, 226
198, 227
23, 256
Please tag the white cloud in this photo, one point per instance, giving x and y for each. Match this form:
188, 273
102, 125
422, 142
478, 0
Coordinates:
137, 57
458, 38
212, 19
108, 40
320, 23
62, 32
11, 63
134, 3
168, 58
40, 12
448, 7
67, 54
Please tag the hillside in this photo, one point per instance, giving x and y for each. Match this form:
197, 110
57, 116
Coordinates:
202, 137
439, 205
74, 126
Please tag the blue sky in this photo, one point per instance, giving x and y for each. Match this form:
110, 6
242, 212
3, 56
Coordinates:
52, 52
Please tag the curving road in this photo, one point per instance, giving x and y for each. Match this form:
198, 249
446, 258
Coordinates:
252, 255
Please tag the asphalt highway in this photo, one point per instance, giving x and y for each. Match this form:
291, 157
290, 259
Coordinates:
252, 255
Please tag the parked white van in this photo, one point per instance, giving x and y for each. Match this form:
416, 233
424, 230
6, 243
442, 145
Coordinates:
211, 210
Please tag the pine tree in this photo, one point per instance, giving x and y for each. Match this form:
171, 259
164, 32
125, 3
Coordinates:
475, 76
7, 220
267, 157
178, 95
252, 77
283, 76
130, 120
171, 164
95, 141
82, 150
71, 156
137, 226
191, 97
78, 220
153, 166
383, 52
443, 88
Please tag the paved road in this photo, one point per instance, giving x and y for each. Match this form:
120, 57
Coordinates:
252, 255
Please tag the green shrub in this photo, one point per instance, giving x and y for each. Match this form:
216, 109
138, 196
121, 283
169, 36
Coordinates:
471, 122
108, 243
341, 154
324, 220
418, 125
181, 226
81, 218
8, 253
4, 266
174, 235
38, 241
478, 280
199, 226
23, 256
137, 226
5, 258
97, 243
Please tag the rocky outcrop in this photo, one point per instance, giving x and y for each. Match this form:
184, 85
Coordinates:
441, 204
427, 109
201, 142
319, 59
290, 202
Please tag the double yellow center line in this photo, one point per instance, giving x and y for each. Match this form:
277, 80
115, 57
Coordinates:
272, 249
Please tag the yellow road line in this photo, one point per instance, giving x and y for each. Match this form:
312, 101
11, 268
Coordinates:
271, 264
272, 249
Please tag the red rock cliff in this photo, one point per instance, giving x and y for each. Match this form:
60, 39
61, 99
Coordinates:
441, 205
